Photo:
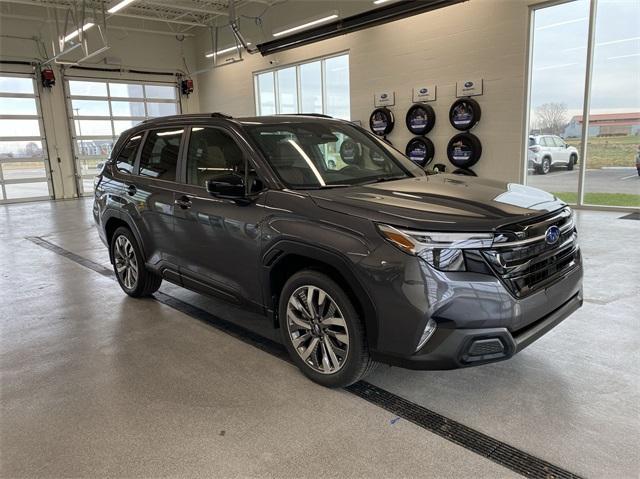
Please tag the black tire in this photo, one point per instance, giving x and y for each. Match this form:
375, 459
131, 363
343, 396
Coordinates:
464, 114
464, 150
545, 166
573, 159
420, 150
358, 362
381, 121
146, 282
420, 119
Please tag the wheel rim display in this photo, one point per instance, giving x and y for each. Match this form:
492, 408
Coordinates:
125, 262
317, 329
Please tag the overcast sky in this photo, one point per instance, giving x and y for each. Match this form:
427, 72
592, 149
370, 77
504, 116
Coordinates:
559, 56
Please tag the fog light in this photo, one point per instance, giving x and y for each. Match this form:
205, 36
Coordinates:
428, 332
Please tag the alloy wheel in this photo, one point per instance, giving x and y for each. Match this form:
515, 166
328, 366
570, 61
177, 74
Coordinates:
126, 262
317, 329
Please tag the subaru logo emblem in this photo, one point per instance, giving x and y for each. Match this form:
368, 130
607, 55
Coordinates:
552, 235
383, 96
468, 84
424, 90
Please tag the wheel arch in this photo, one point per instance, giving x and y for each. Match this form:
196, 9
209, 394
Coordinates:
112, 220
288, 257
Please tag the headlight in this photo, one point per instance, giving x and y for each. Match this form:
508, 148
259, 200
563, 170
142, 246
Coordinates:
443, 251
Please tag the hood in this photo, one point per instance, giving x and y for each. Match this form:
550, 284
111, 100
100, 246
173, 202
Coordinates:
441, 202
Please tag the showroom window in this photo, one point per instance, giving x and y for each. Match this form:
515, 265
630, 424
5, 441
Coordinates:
101, 110
585, 98
24, 165
320, 86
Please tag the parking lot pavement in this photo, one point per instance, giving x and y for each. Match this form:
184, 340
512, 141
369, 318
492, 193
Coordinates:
614, 180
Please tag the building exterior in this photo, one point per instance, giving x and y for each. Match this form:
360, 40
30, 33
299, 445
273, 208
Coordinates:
610, 124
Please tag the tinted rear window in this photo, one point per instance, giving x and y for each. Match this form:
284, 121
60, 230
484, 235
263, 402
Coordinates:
159, 157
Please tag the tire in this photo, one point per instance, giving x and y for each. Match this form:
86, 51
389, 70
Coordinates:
128, 265
545, 166
343, 367
420, 118
381, 121
572, 161
420, 150
464, 150
464, 114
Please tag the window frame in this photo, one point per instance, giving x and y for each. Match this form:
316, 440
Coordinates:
147, 132
41, 138
76, 138
247, 152
297, 65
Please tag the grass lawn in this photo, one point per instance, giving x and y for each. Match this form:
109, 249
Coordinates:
606, 199
609, 150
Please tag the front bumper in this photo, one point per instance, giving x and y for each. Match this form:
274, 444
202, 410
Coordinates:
478, 319
452, 348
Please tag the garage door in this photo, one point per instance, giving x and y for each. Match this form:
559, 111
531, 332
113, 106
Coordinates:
24, 167
101, 110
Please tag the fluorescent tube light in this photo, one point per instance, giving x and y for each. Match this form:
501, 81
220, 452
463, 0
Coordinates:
378, 2
119, 6
306, 25
169, 133
224, 50
72, 35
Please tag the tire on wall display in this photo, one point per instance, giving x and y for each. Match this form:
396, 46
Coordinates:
420, 119
420, 150
381, 121
464, 150
464, 114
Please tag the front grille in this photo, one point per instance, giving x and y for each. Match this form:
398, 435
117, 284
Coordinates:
526, 262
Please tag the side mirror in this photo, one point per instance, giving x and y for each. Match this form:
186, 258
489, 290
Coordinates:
229, 186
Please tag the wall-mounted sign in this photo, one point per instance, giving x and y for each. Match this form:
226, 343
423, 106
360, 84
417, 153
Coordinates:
424, 93
470, 87
384, 98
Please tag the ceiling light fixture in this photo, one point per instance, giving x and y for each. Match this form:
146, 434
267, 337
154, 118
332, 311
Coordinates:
306, 25
72, 35
378, 2
119, 6
224, 50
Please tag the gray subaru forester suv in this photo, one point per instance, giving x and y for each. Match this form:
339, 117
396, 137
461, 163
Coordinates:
354, 252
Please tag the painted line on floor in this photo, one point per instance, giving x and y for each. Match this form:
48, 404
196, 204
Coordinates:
486, 446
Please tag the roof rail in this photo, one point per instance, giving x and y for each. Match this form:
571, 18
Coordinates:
189, 115
320, 115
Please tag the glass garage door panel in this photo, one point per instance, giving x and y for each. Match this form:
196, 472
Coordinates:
102, 110
613, 143
23, 160
560, 35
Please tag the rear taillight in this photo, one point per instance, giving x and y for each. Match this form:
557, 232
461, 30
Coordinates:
535, 148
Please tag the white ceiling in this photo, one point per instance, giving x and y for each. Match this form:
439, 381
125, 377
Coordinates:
183, 16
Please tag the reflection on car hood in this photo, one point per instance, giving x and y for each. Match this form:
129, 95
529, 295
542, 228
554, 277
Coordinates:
441, 202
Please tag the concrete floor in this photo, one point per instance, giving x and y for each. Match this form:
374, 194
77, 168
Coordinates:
97, 384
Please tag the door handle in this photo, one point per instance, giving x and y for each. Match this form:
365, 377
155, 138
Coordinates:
183, 202
131, 190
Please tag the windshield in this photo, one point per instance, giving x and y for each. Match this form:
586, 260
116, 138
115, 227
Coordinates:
321, 153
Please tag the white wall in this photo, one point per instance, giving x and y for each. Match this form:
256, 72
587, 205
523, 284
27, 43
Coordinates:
478, 38
129, 50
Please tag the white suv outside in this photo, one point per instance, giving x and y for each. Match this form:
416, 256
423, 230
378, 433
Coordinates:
546, 151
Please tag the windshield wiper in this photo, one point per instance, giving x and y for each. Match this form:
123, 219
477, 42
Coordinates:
382, 180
